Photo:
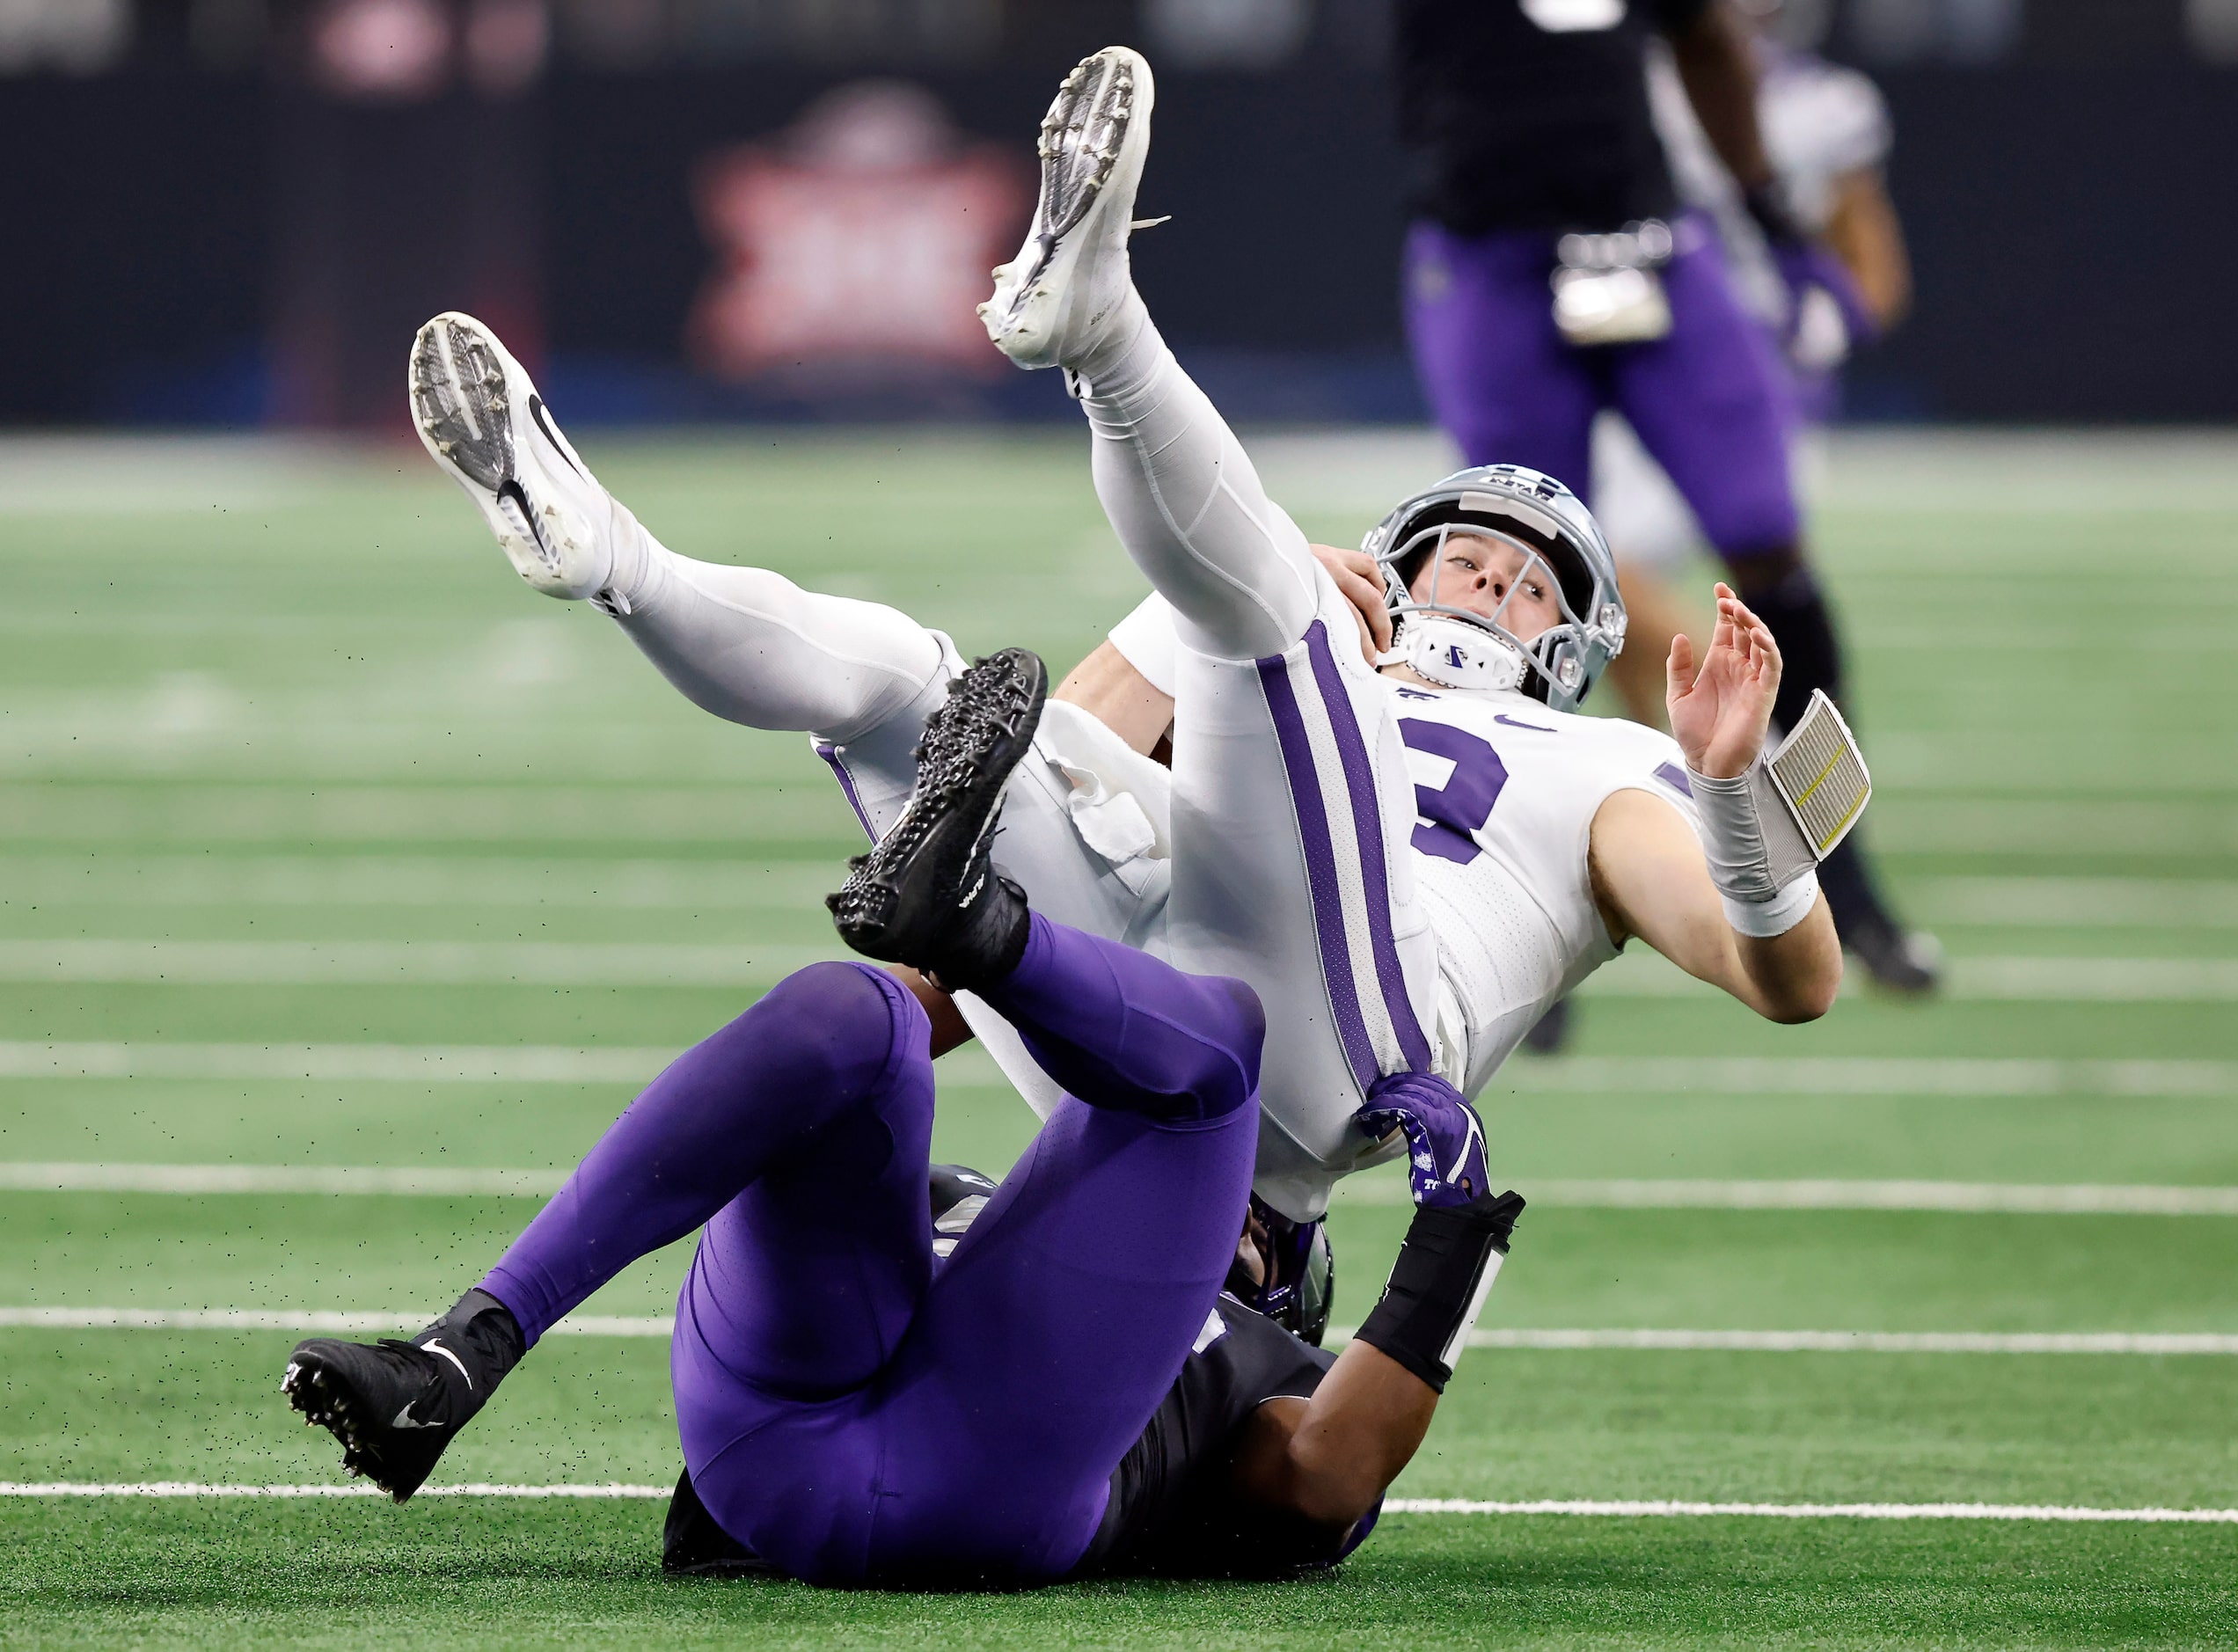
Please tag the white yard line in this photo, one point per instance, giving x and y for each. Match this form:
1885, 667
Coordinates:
1982, 980
1869, 1075
642, 884
646, 817
2077, 903
415, 1064
663, 884
2043, 1513
1594, 1075
646, 963
291, 813
1379, 1188
1556, 1340
438, 1182
326, 1322
1590, 1075
1966, 1197
1644, 1341
2057, 1513
191, 1489
409, 1063
381, 963
652, 883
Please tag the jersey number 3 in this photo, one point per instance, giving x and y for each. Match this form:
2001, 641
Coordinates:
1449, 813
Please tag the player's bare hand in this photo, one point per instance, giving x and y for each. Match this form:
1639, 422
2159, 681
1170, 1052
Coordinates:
1361, 580
1721, 709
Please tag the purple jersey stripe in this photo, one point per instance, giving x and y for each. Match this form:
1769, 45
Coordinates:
1321, 866
1674, 777
1367, 826
830, 753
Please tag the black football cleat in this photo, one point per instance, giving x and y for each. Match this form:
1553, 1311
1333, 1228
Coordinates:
928, 895
396, 1405
1896, 959
1908, 961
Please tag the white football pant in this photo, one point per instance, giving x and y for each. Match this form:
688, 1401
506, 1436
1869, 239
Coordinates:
1082, 828
1292, 807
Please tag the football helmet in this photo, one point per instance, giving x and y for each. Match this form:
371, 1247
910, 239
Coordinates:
1457, 647
1298, 1272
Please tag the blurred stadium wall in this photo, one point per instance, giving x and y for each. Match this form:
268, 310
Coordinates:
234, 211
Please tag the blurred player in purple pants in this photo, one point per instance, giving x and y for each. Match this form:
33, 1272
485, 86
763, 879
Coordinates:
1550, 275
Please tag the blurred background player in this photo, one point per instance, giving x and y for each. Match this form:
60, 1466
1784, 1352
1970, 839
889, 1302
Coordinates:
1826, 135
1550, 275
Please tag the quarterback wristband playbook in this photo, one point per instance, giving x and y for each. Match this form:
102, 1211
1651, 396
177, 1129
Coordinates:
1764, 831
1437, 1286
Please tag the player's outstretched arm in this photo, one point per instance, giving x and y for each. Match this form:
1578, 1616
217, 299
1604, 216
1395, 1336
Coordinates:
1717, 66
1328, 1460
1868, 237
1651, 876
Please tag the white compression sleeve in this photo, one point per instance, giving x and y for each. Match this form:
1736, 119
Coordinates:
752, 647
1764, 870
1187, 505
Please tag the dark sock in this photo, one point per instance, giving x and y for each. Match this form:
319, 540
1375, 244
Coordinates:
482, 1332
1786, 596
985, 941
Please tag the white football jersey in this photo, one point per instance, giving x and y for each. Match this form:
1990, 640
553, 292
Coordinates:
1506, 791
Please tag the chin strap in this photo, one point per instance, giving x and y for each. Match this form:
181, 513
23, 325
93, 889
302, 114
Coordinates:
1455, 654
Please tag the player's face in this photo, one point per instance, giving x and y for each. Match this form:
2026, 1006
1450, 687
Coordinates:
1478, 574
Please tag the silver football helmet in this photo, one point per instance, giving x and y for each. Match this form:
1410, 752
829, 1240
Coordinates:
1458, 647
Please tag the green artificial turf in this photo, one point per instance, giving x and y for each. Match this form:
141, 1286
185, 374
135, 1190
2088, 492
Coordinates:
538, 1575
264, 698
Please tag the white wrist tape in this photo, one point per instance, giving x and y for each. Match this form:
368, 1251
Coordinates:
1765, 831
1761, 920
1145, 640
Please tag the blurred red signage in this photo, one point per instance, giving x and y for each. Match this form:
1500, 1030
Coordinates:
856, 242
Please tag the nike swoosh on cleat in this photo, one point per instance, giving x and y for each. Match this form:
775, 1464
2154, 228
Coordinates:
404, 1419
543, 423
434, 1347
511, 493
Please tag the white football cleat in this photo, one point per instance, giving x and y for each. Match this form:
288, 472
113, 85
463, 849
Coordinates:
1051, 302
481, 419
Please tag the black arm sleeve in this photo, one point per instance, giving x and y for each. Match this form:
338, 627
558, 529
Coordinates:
1437, 1286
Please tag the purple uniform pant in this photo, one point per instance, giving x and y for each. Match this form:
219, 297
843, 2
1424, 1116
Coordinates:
851, 1410
1709, 400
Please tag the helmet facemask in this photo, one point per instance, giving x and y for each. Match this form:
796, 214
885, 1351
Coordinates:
1548, 667
1549, 530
